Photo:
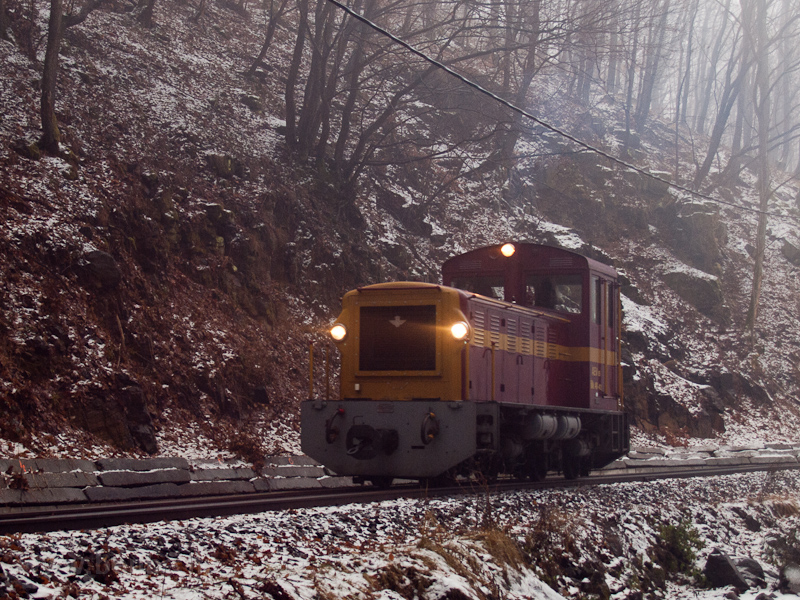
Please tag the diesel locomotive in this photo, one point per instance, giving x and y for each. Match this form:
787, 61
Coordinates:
511, 366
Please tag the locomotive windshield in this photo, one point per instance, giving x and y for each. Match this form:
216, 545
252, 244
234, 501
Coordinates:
563, 293
397, 338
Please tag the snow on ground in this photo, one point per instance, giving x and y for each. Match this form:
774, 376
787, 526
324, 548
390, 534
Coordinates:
539, 545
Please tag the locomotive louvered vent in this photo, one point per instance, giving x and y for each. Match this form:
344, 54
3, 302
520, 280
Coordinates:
398, 338
540, 342
470, 265
479, 325
526, 333
552, 348
494, 329
511, 333
561, 261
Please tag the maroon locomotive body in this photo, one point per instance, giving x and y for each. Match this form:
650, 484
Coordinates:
569, 324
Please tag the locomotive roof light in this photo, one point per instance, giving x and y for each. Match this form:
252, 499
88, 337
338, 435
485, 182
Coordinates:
508, 250
460, 330
338, 332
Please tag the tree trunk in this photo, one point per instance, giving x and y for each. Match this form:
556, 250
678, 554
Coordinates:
51, 136
611, 71
293, 74
786, 90
734, 166
355, 67
201, 12
684, 101
314, 95
729, 95
761, 48
651, 71
678, 97
711, 73
698, 82
509, 135
630, 84
3, 21
274, 16
146, 16
721, 121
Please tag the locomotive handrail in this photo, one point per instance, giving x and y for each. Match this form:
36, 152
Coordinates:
327, 372
493, 371
311, 371
400, 285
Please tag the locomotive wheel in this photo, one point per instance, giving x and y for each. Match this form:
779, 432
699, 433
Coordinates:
537, 469
489, 474
535, 464
383, 482
534, 468
490, 468
571, 468
446, 479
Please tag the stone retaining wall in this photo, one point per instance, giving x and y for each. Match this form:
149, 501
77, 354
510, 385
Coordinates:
708, 456
64, 481
32, 482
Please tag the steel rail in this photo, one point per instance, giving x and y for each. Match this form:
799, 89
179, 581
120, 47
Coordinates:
99, 515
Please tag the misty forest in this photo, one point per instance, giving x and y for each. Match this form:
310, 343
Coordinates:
189, 186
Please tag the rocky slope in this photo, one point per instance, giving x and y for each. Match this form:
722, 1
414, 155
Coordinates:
160, 281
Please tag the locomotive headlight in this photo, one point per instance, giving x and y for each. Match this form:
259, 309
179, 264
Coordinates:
338, 332
508, 250
460, 330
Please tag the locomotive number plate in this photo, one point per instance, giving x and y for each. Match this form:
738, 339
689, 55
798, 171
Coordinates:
385, 407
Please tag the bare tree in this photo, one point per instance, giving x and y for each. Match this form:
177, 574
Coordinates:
275, 11
685, 65
293, 74
51, 136
786, 105
201, 12
612, 71
708, 78
730, 92
146, 16
655, 50
755, 24
3, 21
631, 79
684, 75
361, 90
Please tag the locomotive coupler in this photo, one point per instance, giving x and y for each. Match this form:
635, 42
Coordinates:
365, 442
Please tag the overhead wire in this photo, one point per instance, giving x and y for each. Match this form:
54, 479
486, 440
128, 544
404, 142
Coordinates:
586, 146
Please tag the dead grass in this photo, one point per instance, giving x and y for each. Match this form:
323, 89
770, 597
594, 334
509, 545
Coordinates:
504, 549
551, 542
409, 582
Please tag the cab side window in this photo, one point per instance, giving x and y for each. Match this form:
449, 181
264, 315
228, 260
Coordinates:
597, 299
563, 293
491, 286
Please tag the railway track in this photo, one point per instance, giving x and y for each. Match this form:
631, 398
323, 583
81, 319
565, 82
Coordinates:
98, 515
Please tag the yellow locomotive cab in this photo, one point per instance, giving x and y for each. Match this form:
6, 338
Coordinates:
401, 342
